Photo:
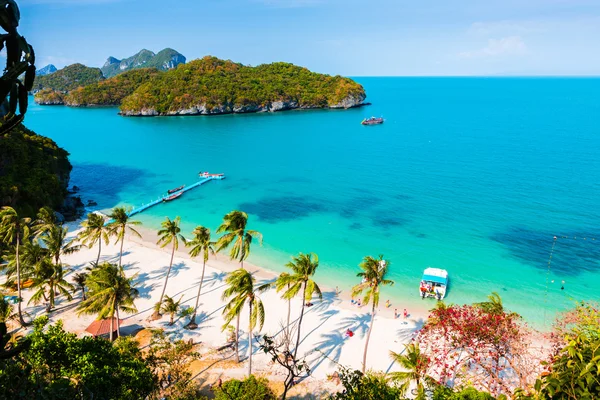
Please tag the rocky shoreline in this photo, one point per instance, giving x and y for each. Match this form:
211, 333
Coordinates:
276, 106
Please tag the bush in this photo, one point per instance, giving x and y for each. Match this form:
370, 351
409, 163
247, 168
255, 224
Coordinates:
250, 388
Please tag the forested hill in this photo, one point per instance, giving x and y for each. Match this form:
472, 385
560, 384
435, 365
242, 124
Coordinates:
68, 78
214, 86
108, 92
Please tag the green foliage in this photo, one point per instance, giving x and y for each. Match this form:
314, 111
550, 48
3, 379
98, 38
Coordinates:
369, 386
216, 83
69, 78
236, 235
445, 393
50, 97
35, 171
250, 388
108, 92
58, 365
575, 370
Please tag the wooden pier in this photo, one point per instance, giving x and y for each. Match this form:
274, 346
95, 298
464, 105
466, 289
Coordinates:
203, 179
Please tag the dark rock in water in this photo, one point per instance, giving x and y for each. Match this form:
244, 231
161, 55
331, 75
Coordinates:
73, 208
75, 188
91, 203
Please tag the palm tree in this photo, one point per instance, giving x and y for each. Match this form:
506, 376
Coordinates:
240, 290
169, 234
13, 231
283, 283
200, 244
171, 307
55, 240
118, 225
94, 231
79, 280
373, 276
30, 254
109, 292
49, 278
46, 220
6, 311
415, 365
234, 227
493, 305
303, 269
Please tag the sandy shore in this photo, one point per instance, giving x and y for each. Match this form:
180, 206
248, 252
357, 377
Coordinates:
323, 343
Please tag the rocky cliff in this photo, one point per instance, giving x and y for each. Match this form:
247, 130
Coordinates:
164, 60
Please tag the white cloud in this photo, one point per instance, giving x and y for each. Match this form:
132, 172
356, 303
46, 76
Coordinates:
507, 46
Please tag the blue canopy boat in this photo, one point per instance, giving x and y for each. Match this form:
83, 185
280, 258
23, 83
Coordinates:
434, 283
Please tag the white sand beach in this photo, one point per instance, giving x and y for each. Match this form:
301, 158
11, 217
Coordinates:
323, 342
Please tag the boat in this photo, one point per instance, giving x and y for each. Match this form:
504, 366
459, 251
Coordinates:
372, 121
177, 189
209, 175
434, 283
172, 197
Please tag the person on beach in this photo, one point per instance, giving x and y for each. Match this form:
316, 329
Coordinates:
337, 291
405, 313
358, 303
387, 304
395, 313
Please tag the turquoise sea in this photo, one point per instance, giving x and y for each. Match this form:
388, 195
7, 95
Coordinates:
474, 175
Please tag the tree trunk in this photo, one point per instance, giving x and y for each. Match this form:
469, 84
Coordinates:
287, 341
193, 320
250, 341
112, 327
99, 250
300, 319
121, 252
118, 323
171, 321
157, 313
21, 320
237, 338
368, 337
83, 293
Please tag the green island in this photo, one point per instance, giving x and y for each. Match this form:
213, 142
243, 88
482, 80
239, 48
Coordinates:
68, 78
214, 86
109, 92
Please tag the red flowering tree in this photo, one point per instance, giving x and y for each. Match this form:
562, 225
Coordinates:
480, 346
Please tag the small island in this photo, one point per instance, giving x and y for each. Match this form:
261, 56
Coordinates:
212, 86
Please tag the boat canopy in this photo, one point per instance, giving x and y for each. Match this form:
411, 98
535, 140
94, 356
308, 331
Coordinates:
435, 275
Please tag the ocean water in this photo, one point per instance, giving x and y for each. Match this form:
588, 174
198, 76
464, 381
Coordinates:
474, 175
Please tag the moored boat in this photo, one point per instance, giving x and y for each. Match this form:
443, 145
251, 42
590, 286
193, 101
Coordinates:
209, 175
172, 197
372, 121
434, 283
177, 189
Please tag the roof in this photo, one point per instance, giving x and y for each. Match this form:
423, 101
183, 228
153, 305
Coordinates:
102, 326
435, 275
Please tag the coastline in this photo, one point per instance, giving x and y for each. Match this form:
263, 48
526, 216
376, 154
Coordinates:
324, 343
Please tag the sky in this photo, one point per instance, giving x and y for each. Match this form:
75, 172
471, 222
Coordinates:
346, 37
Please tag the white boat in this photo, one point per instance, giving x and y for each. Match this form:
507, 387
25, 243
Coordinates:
434, 283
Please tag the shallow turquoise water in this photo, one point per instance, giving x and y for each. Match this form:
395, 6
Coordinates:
473, 175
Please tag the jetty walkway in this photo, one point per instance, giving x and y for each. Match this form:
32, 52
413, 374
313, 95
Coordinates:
202, 181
